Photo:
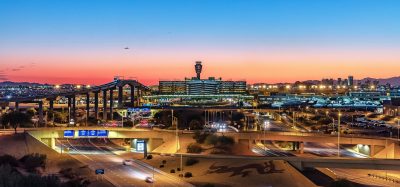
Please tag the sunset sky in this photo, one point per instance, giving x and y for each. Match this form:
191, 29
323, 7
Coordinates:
83, 41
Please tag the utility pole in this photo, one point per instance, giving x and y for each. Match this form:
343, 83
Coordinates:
293, 120
398, 128
339, 115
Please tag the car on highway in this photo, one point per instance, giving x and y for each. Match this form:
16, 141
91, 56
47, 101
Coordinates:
127, 162
149, 180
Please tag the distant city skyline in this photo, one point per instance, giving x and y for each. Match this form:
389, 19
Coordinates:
258, 41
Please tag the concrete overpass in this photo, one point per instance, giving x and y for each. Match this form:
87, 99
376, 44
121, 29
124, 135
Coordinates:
376, 144
156, 138
302, 163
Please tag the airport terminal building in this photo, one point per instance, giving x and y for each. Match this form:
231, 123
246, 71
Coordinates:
198, 86
200, 91
194, 86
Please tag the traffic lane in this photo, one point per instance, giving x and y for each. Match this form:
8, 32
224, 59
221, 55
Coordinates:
136, 173
270, 151
361, 177
123, 175
329, 150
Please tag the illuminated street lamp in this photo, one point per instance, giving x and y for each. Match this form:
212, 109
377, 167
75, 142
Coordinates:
78, 86
88, 86
287, 86
339, 115
57, 86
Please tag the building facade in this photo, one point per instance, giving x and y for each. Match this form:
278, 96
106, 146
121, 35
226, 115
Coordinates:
197, 86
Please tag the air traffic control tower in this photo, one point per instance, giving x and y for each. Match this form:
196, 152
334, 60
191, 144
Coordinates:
198, 67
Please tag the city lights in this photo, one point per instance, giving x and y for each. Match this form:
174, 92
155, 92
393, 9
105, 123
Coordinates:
200, 93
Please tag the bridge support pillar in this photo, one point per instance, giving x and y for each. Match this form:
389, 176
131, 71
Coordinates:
51, 105
69, 103
16, 106
87, 107
74, 108
96, 105
105, 105
133, 96
294, 146
301, 147
120, 96
138, 97
40, 113
111, 103
53, 143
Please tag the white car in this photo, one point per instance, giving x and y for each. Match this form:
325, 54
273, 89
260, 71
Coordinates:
149, 180
127, 162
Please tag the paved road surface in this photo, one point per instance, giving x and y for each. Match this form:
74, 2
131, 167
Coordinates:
118, 174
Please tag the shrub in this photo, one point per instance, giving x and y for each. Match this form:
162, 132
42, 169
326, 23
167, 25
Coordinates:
8, 159
191, 162
387, 118
178, 169
164, 162
372, 115
161, 166
68, 173
128, 124
200, 137
188, 175
219, 140
172, 171
211, 139
221, 151
194, 148
34, 160
341, 183
149, 157
226, 140
208, 185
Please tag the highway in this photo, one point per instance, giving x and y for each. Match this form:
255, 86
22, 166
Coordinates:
98, 155
330, 150
268, 149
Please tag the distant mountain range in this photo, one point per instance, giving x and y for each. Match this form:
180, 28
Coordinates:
9, 83
394, 81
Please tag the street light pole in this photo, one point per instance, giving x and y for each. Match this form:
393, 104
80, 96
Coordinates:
398, 128
69, 115
339, 115
293, 119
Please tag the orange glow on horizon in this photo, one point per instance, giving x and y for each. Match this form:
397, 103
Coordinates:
271, 67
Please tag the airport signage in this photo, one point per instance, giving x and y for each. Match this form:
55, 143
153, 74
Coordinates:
102, 133
140, 145
92, 133
138, 109
99, 171
83, 133
69, 133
